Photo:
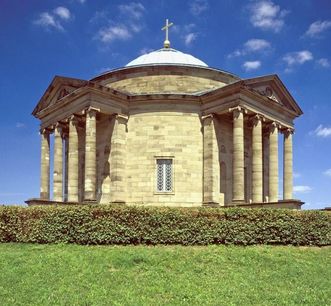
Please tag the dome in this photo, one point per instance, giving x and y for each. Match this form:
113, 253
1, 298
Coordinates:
166, 56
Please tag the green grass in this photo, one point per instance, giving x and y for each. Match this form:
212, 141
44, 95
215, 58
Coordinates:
32, 274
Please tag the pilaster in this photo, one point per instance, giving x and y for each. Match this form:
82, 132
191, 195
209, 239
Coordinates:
118, 160
211, 173
65, 136
288, 165
238, 180
257, 160
73, 156
45, 165
273, 162
58, 164
90, 155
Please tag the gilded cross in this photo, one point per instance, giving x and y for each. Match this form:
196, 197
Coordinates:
166, 29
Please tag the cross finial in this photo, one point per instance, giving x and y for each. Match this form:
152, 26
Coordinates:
166, 43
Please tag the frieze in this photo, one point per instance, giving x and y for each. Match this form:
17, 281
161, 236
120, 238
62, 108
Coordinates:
267, 92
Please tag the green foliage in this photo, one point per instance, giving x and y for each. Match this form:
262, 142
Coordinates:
141, 225
69, 274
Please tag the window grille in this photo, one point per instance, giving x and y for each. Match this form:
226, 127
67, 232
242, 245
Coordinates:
164, 175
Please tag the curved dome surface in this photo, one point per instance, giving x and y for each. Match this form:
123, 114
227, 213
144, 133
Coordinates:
166, 56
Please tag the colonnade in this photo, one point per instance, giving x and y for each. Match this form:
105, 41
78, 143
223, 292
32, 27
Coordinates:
257, 159
211, 176
67, 160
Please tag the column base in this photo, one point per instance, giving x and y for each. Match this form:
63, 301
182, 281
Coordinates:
287, 204
43, 202
118, 202
89, 196
238, 202
44, 196
211, 204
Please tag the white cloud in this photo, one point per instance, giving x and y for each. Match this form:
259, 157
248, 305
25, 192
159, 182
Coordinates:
99, 16
298, 58
198, 6
111, 33
251, 45
186, 32
323, 62
54, 20
62, 12
301, 189
20, 125
189, 38
47, 20
136, 28
321, 131
296, 174
251, 65
256, 44
327, 172
267, 15
132, 10
130, 14
318, 27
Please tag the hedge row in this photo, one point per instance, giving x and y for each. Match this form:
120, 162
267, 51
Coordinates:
141, 225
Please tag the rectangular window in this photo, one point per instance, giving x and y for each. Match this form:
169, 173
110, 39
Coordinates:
164, 175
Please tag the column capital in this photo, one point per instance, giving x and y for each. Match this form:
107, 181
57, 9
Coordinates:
59, 127
74, 119
122, 118
45, 131
273, 125
237, 110
287, 131
206, 117
257, 118
91, 110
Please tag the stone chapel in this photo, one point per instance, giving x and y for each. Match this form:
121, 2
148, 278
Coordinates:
166, 130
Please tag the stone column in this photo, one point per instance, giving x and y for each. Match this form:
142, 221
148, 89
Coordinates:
288, 166
257, 160
45, 165
73, 160
90, 155
58, 164
66, 161
238, 179
273, 162
211, 175
118, 160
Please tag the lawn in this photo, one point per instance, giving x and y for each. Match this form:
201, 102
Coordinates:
32, 274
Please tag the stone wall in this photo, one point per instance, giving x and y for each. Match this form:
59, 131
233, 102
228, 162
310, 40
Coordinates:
105, 126
165, 84
169, 135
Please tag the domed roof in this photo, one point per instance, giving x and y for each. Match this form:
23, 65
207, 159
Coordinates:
166, 56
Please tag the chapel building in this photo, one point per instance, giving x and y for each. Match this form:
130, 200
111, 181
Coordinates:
166, 130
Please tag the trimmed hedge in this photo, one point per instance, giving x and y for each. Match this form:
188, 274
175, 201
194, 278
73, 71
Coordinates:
142, 225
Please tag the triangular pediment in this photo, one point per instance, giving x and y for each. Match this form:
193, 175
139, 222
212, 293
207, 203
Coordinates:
273, 89
58, 89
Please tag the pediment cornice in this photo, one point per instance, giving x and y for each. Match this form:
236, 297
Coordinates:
268, 90
54, 98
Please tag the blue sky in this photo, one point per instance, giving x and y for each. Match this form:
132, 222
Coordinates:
80, 39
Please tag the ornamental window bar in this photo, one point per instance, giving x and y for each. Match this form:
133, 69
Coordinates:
164, 175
